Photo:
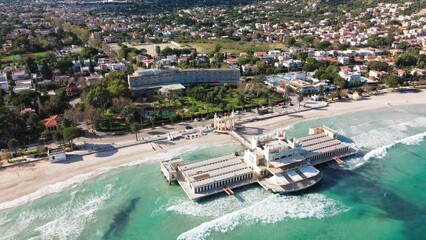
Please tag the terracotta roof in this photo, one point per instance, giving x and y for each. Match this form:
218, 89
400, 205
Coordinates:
52, 121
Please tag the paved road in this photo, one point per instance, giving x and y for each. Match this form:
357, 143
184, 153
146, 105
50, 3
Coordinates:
99, 138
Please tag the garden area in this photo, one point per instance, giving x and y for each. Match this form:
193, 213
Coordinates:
204, 101
236, 47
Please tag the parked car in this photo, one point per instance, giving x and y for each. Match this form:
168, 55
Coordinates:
188, 127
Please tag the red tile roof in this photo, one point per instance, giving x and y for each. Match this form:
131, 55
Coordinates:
52, 121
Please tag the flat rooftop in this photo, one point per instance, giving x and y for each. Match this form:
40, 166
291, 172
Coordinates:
214, 170
316, 141
309, 154
311, 137
287, 161
277, 144
322, 145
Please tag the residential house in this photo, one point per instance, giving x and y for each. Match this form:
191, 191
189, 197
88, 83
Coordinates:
343, 60
249, 68
361, 68
378, 74
93, 80
52, 123
19, 75
3, 82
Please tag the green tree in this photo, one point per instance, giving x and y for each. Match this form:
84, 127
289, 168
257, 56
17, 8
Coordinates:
290, 41
167, 51
406, 60
378, 66
157, 50
300, 98
134, 128
71, 133
340, 82
31, 65
323, 45
308, 39
391, 81
217, 48
91, 66
403, 45
115, 75
118, 88
302, 55
13, 144
89, 52
98, 97
46, 70
57, 136
64, 65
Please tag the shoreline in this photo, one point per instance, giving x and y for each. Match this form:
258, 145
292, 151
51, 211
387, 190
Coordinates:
25, 183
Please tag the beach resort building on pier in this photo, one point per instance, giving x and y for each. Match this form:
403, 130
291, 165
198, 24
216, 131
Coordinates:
279, 164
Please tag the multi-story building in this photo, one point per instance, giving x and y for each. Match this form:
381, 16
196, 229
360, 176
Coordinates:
149, 81
3, 82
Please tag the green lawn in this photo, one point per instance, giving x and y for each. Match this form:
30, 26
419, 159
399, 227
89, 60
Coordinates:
191, 107
110, 123
229, 46
19, 57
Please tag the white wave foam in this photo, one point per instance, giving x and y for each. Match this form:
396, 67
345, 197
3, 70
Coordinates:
391, 131
61, 221
414, 140
80, 178
70, 219
53, 188
24, 220
218, 206
381, 152
269, 210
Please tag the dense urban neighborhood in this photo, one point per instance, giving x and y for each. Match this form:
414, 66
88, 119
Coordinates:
71, 68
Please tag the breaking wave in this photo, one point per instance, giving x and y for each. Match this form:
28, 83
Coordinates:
69, 219
272, 209
382, 151
216, 207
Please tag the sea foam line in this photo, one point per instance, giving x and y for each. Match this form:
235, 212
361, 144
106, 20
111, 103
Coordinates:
382, 152
80, 178
272, 209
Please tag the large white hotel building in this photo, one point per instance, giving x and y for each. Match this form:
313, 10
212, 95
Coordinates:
151, 80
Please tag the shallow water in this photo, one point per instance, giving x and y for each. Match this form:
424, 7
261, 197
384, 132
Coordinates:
376, 195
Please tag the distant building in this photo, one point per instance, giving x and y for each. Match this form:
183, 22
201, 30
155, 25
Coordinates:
3, 82
149, 81
19, 75
249, 68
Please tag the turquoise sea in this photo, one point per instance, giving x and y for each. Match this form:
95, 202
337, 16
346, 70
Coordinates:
380, 194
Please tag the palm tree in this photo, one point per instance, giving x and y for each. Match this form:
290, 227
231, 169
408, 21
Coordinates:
300, 98
152, 120
321, 89
13, 144
134, 128
171, 118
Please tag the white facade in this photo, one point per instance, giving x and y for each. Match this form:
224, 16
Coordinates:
3, 82
57, 155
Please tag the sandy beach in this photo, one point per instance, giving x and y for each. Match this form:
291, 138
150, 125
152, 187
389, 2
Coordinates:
22, 184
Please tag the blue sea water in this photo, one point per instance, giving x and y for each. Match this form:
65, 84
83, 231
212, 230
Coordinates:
379, 194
